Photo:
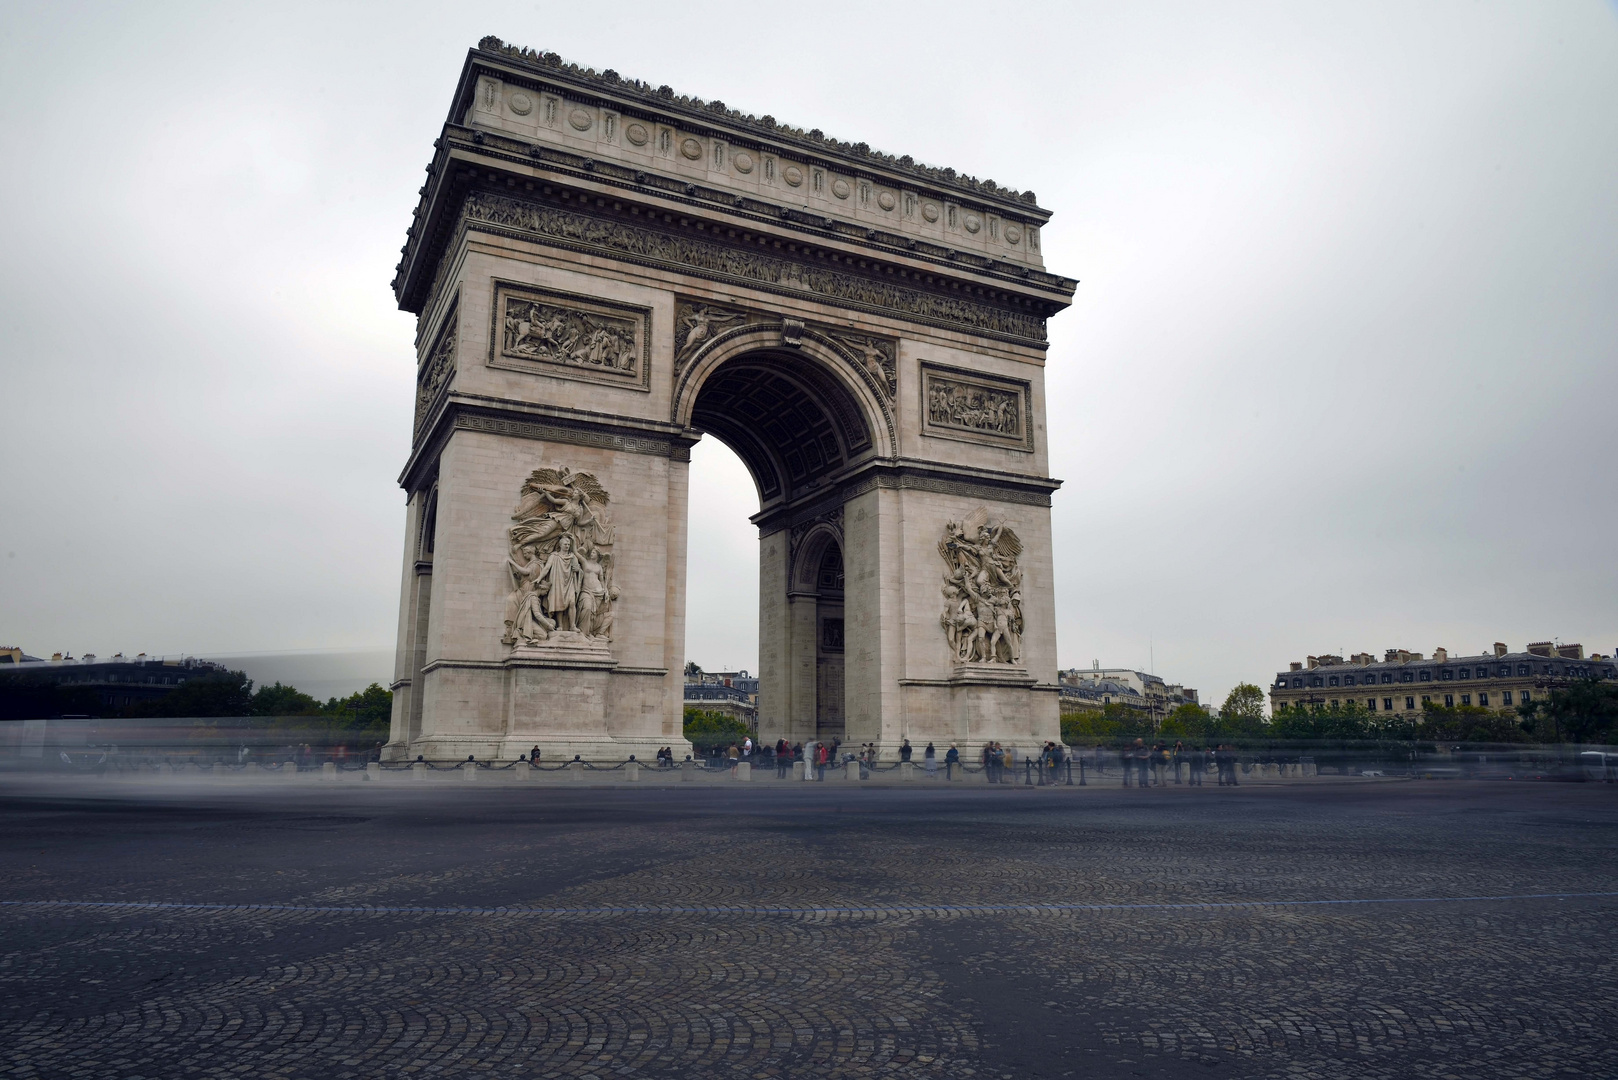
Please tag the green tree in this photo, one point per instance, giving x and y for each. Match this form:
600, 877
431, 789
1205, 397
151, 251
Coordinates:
369, 710
1113, 721
1468, 723
1348, 720
1243, 711
224, 693
707, 729
1584, 711
279, 700
692, 671
1190, 722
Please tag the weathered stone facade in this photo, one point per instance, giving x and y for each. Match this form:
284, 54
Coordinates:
604, 273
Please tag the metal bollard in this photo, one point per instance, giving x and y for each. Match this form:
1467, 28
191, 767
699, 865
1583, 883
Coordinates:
1027, 773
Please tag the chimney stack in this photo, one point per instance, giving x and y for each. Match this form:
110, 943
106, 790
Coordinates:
1500, 648
1440, 654
1297, 665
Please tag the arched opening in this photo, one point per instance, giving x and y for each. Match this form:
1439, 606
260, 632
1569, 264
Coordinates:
798, 429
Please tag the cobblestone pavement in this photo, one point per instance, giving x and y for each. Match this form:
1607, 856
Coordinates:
808, 930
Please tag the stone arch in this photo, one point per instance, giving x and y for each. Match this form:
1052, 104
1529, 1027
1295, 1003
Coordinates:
808, 553
802, 363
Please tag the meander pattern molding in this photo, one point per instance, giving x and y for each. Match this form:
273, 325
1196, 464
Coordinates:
574, 337
982, 617
710, 259
560, 563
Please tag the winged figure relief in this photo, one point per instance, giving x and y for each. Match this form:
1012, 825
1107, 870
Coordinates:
560, 561
697, 326
982, 619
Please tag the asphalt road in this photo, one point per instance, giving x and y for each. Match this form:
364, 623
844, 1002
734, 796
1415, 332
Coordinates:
1364, 930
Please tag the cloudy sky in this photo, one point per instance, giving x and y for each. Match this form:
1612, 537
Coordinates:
1340, 373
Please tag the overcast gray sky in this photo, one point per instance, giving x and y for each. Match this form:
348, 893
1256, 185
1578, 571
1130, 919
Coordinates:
1340, 373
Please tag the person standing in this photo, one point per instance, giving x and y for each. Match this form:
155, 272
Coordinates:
1195, 765
952, 758
904, 750
1143, 764
1126, 762
929, 759
1179, 753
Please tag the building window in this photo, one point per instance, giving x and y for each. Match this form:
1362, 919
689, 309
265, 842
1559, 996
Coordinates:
1466, 699
1466, 673
1334, 680
1526, 697
1505, 697
1387, 704
1410, 703
1387, 676
1449, 701
1483, 673
1446, 674
1426, 699
1316, 681
1426, 676
1348, 680
1335, 703
1483, 700
1297, 683
1370, 704
1404, 676
1522, 669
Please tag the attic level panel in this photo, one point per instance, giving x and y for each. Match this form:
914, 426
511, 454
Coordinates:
745, 165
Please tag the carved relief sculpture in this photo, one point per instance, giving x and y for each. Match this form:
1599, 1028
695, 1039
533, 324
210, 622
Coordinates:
560, 563
436, 372
982, 589
975, 407
538, 330
877, 357
695, 325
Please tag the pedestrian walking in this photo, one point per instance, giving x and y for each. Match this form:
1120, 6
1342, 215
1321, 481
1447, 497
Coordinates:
1143, 764
1196, 765
1179, 752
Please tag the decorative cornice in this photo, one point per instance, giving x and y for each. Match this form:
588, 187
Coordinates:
736, 265
663, 99
1014, 488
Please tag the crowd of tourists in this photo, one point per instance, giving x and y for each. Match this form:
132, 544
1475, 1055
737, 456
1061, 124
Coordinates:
1149, 766
1138, 764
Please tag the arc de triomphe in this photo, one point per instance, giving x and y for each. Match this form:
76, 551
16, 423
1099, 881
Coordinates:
604, 271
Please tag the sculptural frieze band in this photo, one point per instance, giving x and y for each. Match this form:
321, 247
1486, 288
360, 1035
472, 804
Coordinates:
982, 589
560, 563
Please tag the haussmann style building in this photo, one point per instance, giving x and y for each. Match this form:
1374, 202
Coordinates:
1403, 682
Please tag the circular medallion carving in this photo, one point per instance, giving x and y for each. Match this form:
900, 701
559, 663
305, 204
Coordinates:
743, 161
886, 200
929, 211
840, 188
972, 222
1013, 234
636, 134
521, 103
792, 175
691, 149
580, 120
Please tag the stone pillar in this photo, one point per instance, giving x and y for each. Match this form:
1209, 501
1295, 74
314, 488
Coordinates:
418, 770
744, 771
575, 770
688, 770
797, 769
907, 770
522, 770
469, 770
632, 772
328, 771
374, 771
